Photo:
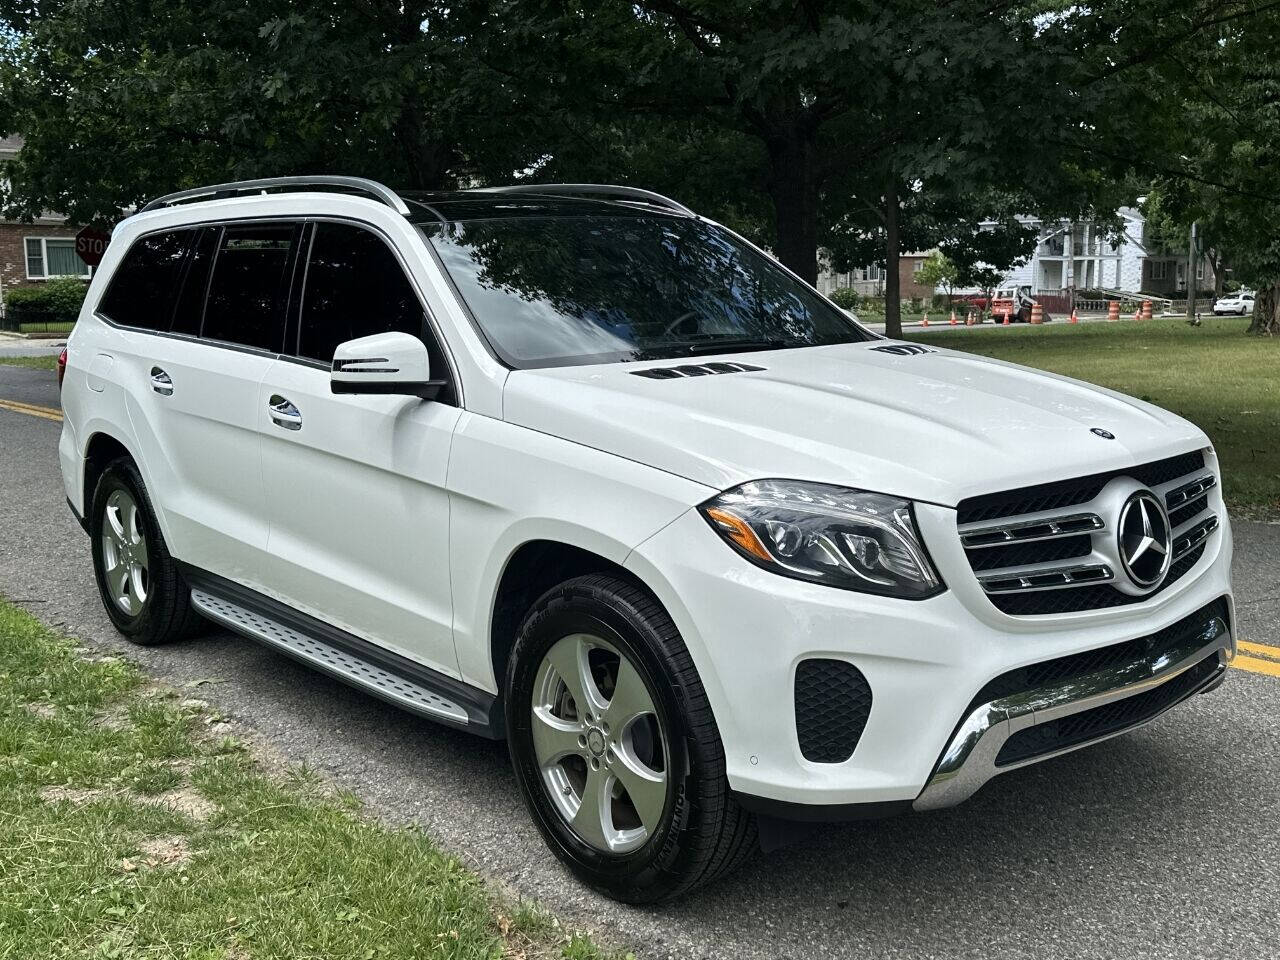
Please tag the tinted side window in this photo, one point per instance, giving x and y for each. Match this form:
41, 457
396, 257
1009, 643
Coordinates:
142, 289
247, 291
355, 287
190, 309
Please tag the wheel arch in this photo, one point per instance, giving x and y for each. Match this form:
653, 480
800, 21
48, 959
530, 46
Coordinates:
533, 568
100, 449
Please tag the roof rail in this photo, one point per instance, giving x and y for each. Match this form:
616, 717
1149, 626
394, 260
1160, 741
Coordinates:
634, 194
219, 190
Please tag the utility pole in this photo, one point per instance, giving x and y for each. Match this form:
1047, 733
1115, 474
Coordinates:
1191, 274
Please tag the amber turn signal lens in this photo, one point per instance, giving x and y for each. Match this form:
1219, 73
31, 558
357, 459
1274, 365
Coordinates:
741, 534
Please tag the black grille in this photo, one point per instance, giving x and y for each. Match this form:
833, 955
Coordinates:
1109, 718
1096, 597
1063, 669
833, 701
1067, 493
1016, 554
1187, 511
1061, 496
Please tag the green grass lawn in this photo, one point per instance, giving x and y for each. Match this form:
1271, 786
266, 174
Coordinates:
36, 363
130, 826
1215, 375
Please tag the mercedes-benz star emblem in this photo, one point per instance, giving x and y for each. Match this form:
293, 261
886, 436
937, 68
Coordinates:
1145, 549
1104, 434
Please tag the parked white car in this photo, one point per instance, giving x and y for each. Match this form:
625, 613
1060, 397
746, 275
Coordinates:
574, 467
1239, 303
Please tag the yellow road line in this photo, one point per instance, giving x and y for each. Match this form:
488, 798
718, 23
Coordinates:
1259, 649
1255, 665
31, 410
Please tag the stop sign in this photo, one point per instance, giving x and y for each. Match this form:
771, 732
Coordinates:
91, 244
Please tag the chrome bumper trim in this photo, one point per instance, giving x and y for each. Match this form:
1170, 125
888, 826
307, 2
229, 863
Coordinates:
969, 759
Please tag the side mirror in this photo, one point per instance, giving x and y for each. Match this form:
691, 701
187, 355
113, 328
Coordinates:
394, 363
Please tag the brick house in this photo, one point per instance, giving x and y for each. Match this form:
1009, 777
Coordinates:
32, 252
870, 281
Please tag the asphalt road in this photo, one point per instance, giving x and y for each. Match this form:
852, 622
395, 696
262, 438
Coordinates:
1164, 843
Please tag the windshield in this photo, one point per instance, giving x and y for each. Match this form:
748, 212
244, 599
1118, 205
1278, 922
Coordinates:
568, 290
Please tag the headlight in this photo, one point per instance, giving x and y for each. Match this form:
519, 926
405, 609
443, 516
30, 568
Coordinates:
826, 534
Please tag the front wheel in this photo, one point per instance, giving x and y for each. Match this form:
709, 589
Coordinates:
615, 749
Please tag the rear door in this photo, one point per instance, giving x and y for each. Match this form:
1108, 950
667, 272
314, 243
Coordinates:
355, 485
195, 407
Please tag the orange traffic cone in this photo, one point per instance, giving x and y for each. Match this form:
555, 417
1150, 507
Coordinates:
1146, 309
1137, 314
925, 321
1113, 311
953, 318
968, 320
1006, 319
1074, 318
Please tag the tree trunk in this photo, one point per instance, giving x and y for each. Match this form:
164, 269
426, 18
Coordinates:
892, 286
1266, 311
793, 185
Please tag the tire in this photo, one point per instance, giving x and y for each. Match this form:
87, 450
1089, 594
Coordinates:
151, 603
701, 833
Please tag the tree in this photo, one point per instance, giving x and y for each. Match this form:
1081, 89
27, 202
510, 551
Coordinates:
1226, 164
938, 271
120, 100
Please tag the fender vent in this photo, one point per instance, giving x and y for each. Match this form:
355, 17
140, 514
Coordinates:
904, 349
694, 370
833, 701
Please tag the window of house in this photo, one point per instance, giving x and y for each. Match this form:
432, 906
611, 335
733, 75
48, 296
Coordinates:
143, 286
249, 287
1159, 269
355, 288
54, 257
915, 270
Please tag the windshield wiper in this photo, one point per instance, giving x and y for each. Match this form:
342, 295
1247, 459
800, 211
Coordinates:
727, 345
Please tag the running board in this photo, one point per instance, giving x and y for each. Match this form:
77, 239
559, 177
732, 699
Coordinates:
412, 687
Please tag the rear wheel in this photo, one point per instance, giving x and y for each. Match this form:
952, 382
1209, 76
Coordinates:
614, 745
142, 590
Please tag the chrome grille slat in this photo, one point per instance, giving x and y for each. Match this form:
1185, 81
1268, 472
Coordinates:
1187, 492
1184, 543
1044, 577
1027, 530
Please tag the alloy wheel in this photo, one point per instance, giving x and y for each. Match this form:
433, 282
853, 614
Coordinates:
124, 552
600, 747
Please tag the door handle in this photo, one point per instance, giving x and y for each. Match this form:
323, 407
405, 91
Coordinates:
284, 413
161, 382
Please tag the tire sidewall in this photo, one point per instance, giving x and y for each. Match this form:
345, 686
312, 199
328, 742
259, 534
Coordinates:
625, 876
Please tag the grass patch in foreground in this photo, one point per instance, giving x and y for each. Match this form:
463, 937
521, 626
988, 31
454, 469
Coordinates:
35, 363
1216, 376
128, 830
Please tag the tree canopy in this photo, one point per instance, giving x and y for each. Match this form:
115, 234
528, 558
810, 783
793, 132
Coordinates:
861, 127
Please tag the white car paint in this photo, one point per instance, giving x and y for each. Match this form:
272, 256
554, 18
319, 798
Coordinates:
1241, 303
394, 517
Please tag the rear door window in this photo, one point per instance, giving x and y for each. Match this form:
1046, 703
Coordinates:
355, 287
143, 287
189, 312
249, 287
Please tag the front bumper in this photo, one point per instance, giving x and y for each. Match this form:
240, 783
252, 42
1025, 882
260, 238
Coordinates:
1095, 706
747, 631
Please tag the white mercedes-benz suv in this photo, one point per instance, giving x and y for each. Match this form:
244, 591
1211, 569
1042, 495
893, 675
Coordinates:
572, 466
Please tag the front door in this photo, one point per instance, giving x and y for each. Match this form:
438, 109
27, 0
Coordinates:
355, 485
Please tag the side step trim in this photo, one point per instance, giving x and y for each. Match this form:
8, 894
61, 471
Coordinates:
348, 658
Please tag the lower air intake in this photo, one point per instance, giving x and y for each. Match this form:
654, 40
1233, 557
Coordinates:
833, 701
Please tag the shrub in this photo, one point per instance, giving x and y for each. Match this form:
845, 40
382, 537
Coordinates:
55, 301
846, 298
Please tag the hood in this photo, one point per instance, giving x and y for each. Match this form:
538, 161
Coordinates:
935, 426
